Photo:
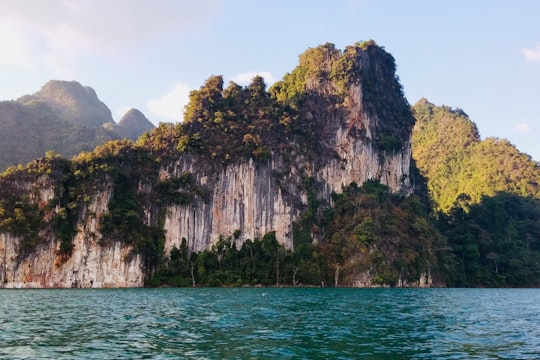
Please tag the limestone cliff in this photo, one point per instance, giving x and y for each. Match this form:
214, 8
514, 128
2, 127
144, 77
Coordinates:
91, 264
245, 162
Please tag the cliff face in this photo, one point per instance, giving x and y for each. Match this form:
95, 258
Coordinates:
91, 264
255, 198
244, 197
360, 126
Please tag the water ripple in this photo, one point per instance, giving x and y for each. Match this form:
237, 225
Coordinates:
270, 323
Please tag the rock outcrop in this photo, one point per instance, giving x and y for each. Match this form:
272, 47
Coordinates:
361, 126
91, 264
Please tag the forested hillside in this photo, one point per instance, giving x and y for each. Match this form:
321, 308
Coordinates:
485, 194
449, 152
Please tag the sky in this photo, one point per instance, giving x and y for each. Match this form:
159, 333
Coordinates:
480, 56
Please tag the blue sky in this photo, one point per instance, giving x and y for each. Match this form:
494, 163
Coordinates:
481, 56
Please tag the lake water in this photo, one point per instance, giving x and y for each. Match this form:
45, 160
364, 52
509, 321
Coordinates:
270, 323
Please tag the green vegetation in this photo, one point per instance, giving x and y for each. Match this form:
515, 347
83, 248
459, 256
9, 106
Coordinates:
496, 243
474, 219
486, 195
258, 262
449, 153
231, 123
371, 231
21, 217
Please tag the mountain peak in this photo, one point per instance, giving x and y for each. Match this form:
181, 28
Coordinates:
135, 123
73, 102
52, 87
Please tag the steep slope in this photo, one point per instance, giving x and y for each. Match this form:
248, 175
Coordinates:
460, 166
63, 117
246, 163
488, 197
328, 132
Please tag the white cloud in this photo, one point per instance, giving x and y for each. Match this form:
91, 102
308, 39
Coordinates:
61, 42
171, 105
532, 54
245, 78
15, 49
58, 33
524, 128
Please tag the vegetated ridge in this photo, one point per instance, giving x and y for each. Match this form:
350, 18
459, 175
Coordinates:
486, 197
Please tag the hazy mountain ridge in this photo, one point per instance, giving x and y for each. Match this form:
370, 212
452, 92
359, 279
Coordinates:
134, 124
63, 117
76, 104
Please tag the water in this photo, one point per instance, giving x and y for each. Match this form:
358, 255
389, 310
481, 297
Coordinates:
270, 323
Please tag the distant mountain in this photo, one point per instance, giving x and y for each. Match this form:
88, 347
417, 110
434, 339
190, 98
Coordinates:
461, 167
134, 123
64, 117
72, 102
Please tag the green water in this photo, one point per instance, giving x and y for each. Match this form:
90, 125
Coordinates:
270, 323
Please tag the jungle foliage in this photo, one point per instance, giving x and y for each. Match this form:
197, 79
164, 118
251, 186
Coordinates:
369, 230
479, 226
256, 262
486, 195
449, 152
495, 243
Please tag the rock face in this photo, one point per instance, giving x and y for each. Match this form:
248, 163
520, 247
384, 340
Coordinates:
247, 197
364, 134
91, 264
244, 197
255, 199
